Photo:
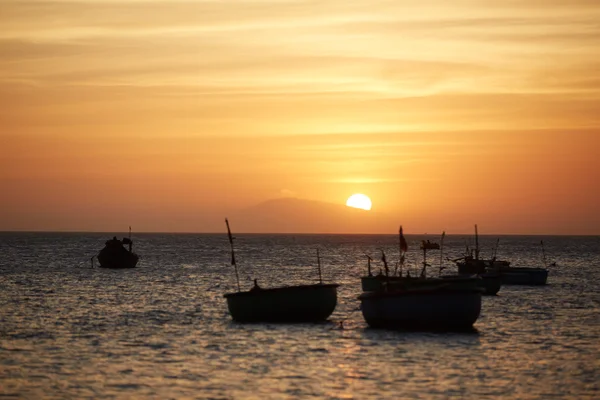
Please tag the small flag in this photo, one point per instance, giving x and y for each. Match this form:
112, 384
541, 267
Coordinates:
403, 244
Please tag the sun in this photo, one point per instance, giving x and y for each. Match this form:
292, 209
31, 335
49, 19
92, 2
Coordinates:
359, 200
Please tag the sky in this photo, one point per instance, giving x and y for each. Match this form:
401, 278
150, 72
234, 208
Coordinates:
170, 115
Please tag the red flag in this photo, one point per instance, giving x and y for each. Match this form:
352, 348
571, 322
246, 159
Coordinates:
403, 244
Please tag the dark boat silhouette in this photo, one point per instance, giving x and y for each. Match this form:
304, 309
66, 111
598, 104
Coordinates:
286, 304
490, 283
115, 256
293, 304
439, 307
507, 274
448, 303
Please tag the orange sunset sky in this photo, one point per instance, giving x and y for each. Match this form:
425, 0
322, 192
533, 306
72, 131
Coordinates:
171, 115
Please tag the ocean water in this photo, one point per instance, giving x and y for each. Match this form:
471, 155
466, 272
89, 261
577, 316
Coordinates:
163, 330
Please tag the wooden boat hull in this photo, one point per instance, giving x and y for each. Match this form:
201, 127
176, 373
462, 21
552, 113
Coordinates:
121, 260
304, 303
524, 276
436, 309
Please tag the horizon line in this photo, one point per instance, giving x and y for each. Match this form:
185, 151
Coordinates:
296, 233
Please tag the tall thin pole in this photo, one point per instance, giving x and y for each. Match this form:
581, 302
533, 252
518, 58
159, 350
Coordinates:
130, 242
442, 251
369, 265
543, 254
319, 265
476, 243
424, 270
496, 249
400, 261
237, 277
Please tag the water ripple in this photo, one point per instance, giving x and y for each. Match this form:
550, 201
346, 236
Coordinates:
163, 330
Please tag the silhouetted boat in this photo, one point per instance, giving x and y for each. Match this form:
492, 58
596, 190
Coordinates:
523, 275
449, 303
299, 303
492, 267
438, 307
490, 283
115, 256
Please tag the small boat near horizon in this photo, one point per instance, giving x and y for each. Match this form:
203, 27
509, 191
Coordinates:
285, 304
115, 256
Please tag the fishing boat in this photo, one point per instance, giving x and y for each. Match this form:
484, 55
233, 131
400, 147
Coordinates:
291, 304
286, 304
489, 282
524, 276
507, 274
442, 307
115, 256
449, 303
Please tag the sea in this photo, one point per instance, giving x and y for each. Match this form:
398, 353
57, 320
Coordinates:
70, 330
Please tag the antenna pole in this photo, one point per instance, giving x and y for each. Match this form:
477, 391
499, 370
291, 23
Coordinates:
237, 276
476, 243
442, 251
319, 265
543, 254
424, 270
496, 249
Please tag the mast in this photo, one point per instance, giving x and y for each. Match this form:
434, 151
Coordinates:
369, 265
442, 252
130, 242
319, 266
543, 253
237, 277
496, 249
476, 243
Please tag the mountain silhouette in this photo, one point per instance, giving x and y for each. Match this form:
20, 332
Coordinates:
293, 215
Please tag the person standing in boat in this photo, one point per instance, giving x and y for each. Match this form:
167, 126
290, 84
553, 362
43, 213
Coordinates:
255, 287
